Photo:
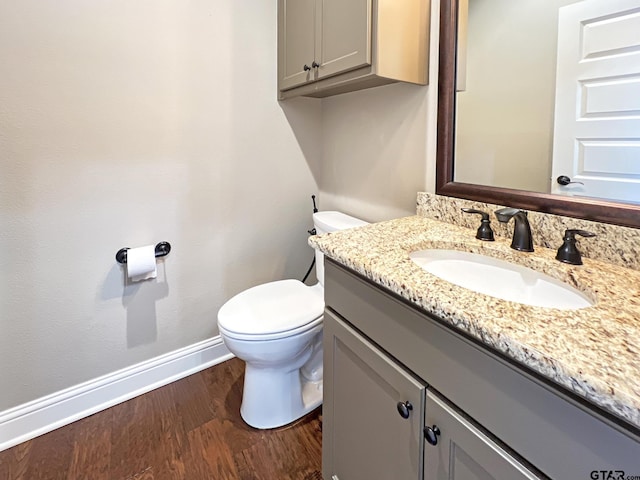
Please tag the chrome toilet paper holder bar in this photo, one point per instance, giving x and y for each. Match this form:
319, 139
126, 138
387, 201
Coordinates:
162, 249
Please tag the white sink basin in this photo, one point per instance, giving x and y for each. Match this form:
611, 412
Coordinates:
500, 279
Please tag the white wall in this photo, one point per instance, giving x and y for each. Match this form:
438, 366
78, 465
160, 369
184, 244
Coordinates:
379, 145
374, 151
127, 123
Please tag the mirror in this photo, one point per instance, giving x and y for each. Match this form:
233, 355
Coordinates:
459, 172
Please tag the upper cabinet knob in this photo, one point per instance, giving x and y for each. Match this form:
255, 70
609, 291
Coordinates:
306, 67
564, 180
315, 64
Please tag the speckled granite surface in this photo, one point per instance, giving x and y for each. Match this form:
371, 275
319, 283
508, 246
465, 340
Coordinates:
595, 351
612, 243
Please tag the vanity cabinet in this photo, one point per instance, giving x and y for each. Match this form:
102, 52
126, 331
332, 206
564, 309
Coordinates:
372, 423
327, 47
377, 424
461, 451
495, 418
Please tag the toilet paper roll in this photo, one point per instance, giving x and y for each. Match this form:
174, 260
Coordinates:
141, 263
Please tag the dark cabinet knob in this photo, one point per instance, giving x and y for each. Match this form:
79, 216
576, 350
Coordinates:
564, 180
431, 434
315, 64
404, 409
306, 67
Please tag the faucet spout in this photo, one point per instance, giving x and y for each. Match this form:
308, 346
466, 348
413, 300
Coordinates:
522, 238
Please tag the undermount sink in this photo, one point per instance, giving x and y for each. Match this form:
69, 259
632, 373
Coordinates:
500, 279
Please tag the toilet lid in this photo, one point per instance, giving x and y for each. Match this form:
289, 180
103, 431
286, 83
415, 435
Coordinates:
271, 308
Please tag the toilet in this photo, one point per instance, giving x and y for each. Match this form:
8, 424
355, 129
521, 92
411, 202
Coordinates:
276, 328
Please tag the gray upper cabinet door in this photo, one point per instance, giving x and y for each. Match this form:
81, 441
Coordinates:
462, 451
344, 40
349, 45
297, 42
365, 437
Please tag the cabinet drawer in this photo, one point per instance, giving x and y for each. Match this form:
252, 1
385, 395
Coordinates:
551, 430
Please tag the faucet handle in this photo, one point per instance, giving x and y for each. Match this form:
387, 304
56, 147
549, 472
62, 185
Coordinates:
582, 233
568, 251
484, 231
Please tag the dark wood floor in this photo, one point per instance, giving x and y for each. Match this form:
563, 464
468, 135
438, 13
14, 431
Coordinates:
190, 429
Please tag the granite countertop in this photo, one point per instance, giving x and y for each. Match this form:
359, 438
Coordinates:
593, 351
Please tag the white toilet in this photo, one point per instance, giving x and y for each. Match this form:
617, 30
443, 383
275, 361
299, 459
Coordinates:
276, 328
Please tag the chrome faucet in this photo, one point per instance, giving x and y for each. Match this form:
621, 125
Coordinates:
522, 239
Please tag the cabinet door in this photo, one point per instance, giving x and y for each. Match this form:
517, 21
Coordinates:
297, 38
364, 435
462, 451
345, 39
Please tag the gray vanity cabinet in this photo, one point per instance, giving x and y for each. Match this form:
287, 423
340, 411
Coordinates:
461, 451
366, 399
496, 419
375, 415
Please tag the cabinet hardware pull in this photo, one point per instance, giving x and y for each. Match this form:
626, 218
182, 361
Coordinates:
306, 67
404, 409
431, 434
315, 64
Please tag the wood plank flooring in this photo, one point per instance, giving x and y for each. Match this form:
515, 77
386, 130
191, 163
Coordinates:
190, 429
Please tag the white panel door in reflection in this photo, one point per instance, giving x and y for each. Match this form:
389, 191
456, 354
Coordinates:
597, 118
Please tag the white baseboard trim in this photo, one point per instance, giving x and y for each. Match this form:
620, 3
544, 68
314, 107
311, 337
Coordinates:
45, 414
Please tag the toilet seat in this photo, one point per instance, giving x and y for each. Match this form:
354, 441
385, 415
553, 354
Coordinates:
271, 311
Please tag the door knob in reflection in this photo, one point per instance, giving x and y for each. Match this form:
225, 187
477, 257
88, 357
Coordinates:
564, 180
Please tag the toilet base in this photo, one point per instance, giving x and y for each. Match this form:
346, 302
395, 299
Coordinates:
272, 399
312, 395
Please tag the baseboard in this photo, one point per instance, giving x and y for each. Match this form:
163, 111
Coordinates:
45, 414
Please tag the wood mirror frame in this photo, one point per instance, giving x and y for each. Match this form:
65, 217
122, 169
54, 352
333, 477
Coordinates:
586, 208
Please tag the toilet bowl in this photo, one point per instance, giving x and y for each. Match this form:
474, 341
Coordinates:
276, 328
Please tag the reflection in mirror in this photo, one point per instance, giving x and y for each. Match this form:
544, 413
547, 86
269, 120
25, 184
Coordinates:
615, 100
529, 111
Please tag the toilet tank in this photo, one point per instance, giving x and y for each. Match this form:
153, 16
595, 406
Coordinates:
327, 222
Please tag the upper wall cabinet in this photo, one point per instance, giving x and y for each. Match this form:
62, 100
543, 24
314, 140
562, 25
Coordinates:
328, 47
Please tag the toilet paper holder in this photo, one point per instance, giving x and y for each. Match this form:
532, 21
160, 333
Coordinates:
162, 249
